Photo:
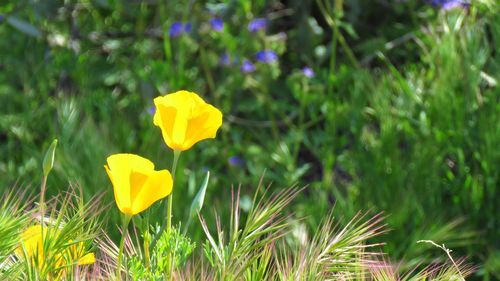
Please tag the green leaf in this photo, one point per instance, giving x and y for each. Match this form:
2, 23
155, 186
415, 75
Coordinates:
48, 160
198, 200
24, 27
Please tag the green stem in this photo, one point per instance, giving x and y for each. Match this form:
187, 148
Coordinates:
348, 51
42, 197
125, 222
42, 204
147, 240
177, 153
168, 225
170, 263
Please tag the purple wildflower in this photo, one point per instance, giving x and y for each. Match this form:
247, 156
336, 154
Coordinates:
266, 56
152, 110
257, 24
450, 4
187, 27
235, 161
308, 72
217, 24
225, 60
176, 29
247, 66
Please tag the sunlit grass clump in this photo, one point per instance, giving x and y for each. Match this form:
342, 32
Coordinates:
58, 247
62, 239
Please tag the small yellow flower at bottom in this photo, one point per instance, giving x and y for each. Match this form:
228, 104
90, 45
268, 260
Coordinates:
32, 245
136, 184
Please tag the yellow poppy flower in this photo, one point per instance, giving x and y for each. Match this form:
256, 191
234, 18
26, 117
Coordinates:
31, 241
32, 245
136, 184
185, 119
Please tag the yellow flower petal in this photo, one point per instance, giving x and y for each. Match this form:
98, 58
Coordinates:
185, 119
137, 180
87, 259
203, 126
122, 164
120, 190
158, 185
32, 244
136, 184
126, 161
182, 100
173, 125
167, 124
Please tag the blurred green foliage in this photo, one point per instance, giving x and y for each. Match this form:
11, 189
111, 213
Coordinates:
401, 116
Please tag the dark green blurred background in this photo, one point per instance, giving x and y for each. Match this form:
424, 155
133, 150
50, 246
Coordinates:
399, 112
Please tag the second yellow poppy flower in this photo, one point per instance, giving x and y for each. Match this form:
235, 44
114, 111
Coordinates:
136, 184
185, 119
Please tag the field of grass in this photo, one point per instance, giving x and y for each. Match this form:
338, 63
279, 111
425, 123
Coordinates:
382, 113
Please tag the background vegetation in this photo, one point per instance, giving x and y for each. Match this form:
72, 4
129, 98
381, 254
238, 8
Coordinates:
399, 113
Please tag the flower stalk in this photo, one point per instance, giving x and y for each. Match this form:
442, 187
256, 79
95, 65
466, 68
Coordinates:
170, 262
125, 221
170, 199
